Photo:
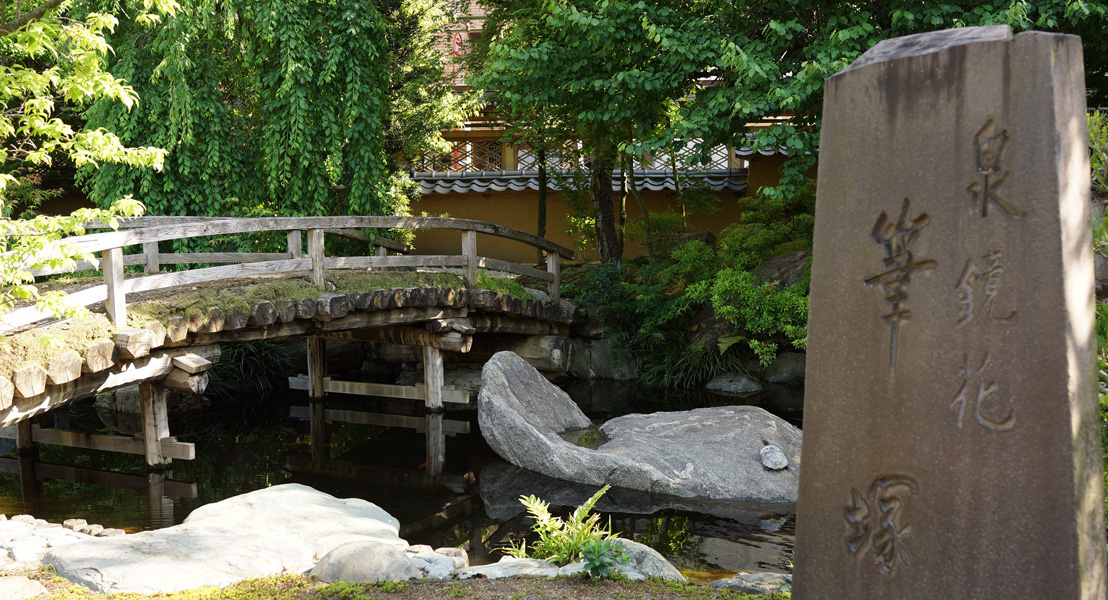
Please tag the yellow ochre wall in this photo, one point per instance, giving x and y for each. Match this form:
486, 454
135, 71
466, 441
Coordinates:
520, 210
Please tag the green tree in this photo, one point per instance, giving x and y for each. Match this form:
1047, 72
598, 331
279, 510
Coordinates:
720, 65
588, 66
282, 107
51, 62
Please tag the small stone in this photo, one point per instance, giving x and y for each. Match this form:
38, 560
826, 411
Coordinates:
92, 529
754, 583
74, 524
773, 458
419, 549
455, 553
28, 519
16, 587
40, 523
111, 532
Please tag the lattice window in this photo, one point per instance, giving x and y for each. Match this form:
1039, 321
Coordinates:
718, 157
567, 157
465, 156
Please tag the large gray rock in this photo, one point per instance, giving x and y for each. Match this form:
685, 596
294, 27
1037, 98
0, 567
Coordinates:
510, 567
704, 453
282, 529
365, 561
646, 560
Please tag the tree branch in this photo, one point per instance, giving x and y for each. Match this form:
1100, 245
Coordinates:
15, 24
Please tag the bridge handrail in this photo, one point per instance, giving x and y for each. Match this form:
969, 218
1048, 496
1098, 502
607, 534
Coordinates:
222, 226
151, 230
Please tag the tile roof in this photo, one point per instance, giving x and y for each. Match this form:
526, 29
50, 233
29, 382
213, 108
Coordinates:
446, 182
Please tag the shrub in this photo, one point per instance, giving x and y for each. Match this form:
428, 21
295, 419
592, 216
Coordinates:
563, 542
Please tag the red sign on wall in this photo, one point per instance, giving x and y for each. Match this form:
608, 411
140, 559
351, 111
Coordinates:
456, 46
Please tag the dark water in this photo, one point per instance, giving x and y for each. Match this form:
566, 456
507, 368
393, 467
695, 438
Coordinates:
247, 445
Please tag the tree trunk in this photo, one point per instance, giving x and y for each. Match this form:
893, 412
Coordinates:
602, 201
540, 259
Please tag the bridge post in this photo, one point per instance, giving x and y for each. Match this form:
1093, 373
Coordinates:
315, 252
469, 251
433, 379
155, 423
554, 267
317, 370
153, 261
296, 244
112, 265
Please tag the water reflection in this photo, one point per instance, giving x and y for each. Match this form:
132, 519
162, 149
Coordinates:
474, 504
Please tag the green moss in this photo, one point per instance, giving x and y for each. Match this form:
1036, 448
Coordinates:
503, 285
37, 345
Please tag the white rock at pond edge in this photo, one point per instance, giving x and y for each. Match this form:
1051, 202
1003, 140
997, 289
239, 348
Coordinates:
773, 458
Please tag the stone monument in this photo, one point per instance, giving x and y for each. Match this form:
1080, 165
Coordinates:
951, 440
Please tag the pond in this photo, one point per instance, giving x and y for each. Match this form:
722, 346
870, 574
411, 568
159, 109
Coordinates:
247, 445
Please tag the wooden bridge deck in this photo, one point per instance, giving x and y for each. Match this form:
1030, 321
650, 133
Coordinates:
175, 352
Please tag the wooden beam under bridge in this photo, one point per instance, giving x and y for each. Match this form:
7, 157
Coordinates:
384, 390
170, 447
449, 427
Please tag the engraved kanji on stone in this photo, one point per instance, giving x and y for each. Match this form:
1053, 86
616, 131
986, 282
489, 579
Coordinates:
990, 279
899, 264
978, 389
989, 146
877, 521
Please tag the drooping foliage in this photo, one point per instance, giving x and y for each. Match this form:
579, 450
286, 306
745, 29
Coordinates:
266, 107
281, 108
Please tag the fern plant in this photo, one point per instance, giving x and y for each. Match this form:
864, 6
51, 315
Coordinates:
565, 541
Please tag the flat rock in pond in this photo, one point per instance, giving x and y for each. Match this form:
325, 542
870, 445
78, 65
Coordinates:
281, 529
711, 453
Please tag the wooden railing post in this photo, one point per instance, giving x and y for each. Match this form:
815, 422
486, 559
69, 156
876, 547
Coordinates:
469, 251
554, 267
315, 252
150, 252
296, 245
112, 264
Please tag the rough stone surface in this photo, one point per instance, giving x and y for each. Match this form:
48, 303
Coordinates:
510, 567
458, 553
365, 561
648, 561
734, 384
951, 435
754, 583
17, 587
281, 529
23, 542
462, 377
785, 368
773, 458
705, 453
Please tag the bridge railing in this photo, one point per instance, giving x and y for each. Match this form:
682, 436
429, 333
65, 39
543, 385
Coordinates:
148, 231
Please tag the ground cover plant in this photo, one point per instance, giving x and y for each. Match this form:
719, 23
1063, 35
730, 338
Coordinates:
299, 587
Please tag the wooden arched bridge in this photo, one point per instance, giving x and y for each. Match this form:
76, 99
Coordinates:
175, 349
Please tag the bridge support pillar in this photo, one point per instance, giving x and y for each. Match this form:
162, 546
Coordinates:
27, 451
155, 423
433, 379
317, 371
